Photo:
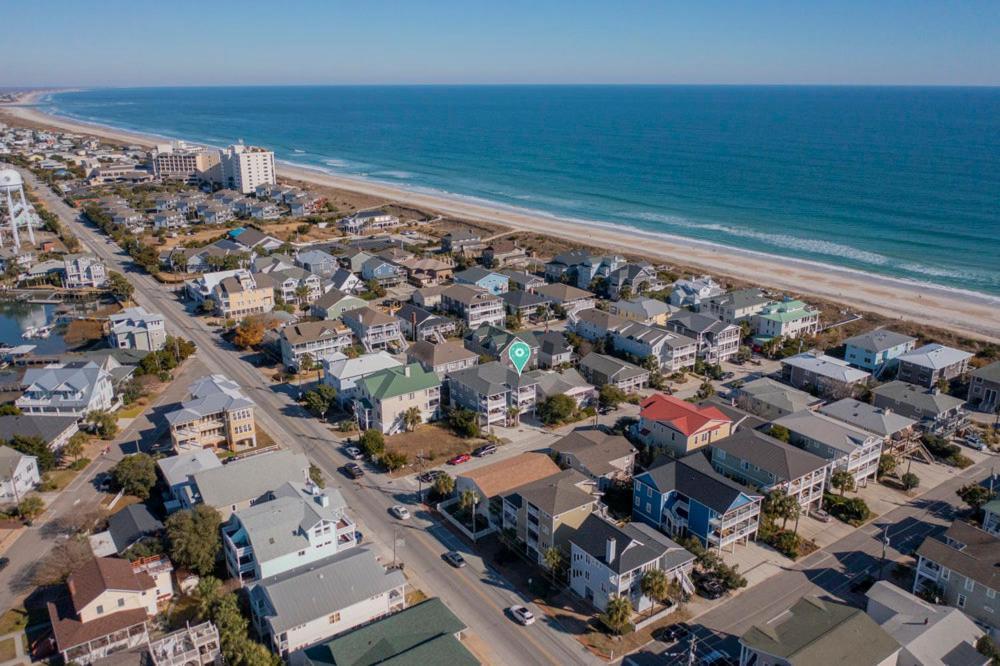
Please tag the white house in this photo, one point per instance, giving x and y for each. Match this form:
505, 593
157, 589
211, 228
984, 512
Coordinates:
18, 474
343, 374
135, 328
67, 390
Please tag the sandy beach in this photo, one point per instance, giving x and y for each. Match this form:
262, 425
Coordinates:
972, 314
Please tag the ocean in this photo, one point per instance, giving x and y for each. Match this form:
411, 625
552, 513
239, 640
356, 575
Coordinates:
900, 182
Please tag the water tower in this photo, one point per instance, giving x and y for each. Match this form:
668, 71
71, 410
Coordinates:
18, 210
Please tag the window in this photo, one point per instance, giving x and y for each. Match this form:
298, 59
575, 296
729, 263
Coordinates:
302, 553
100, 610
649, 508
970, 584
121, 602
945, 574
334, 618
637, 501
961, 601
991, 593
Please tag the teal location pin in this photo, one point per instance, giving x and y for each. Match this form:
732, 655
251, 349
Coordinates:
519, 353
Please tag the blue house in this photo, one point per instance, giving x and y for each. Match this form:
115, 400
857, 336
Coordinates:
688, 497
384, 272
495, 283
875, 349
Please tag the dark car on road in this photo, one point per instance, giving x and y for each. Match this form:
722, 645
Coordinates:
431, 475
485, 450
353, 470
454, 558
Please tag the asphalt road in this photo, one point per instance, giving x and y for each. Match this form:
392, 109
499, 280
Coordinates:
475, 593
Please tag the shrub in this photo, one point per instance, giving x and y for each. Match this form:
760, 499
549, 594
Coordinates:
851, 510
394, 460
556, 409
787, 543
910, 481
79, 464
464, 422
135, 474
372, 443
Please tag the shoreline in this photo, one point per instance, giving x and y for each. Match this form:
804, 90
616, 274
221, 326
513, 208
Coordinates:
970, 313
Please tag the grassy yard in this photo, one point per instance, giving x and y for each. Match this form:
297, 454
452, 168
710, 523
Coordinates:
133, 410
60, 478
607, 646
15, 619
435, 443
8, 649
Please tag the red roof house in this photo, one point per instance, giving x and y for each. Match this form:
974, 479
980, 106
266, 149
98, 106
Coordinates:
680, 426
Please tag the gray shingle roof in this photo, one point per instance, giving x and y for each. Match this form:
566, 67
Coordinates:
594, 449
558, 493
879, 340
177, 469
926, 401
785, 461
210, 395
934, 356
46, 426
278, 527
694, 477
868, 417
979, 559
304, 594
989, 373
612, 367
250, 478
636, 544
131, 524
826, 430
492, 378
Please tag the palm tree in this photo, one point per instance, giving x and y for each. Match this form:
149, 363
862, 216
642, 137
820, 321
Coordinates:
206, 594
302, 295
443, 486
412, 418
553, 558
779, 504
618, 614
656, 586
512, 414
467, 502
842, 481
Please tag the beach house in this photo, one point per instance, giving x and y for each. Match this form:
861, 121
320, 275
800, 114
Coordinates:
319, 340
771, 400
385, 398
218, 414
736, 306
846, 447
788, 318
343, 373
930, 364
135, 328
823, 375
875, 350
717, 340
485, 279
679, 426
67, 390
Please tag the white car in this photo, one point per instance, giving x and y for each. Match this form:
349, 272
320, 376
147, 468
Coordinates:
522, 615
400, 511
354, 453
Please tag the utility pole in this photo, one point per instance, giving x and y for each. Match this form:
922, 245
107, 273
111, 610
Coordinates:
885, 544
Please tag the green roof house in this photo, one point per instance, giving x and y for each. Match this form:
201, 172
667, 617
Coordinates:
789, 318
385, 398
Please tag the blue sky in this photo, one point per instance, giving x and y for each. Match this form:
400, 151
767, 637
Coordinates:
178, 42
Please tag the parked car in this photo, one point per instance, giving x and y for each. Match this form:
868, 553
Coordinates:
975, 442
431, 476
454, 558
485, 450
820, 515
671, 634
354, 453
726, 376
460, 458
399, 511
711, 588
522, 615
353, 470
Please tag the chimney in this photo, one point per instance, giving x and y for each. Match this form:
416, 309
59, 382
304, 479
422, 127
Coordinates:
610, 550
323, 500
406, 370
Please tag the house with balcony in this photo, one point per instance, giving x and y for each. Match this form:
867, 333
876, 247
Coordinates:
178, 473
194, 645
692, 292
442, 358
543, 514
463, 241
346, 281
490, 483
525, 304
600, 369
489, 281
823, 375
961, 568
594, 324
936, 412
566, 296
243, 294
84, 271
218, 415
494, 341
368, 220
569, 383
244, 482
673, 352
67, 390
770, 400
875, 350
633, 278
554, 350
495, 392
384, 272
385, 397
18, 475
342, 373
760, 461
317, 261
688, 497
135, 328
296, 525
788, 318
320, 340
502, 253
930, 364
818, 631
375, 330
736, 306
679, 426
717, 340
522, 280
297, 286
426, 271
107, 610
847, 448
984, 388
417, 323
643, 310
604, 459
609, 561
335, 303
297, 609
899, 434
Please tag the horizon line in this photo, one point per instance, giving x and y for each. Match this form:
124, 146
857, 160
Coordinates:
69, 88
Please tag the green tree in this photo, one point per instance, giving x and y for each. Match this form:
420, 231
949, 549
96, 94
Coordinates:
443, 486
316, 476
553, 558
193, 538
73, 449
9, 409
412, 418
618, 614
975, 496
249, 333
372, 443
464, 422
909, 481
207, 594
120, 287
105, 423
778, 504
780, 432
34, 446
135, 474
31, 507
319, 400
610, 396
887, 464
394, 460
556, 409
842, 481
656, 585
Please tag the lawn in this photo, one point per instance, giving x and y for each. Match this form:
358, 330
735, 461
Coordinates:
134, 410
433, 442
607, 646
15, 619
58, 479
8, 649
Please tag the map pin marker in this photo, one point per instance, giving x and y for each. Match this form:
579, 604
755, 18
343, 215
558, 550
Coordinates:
519, 353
